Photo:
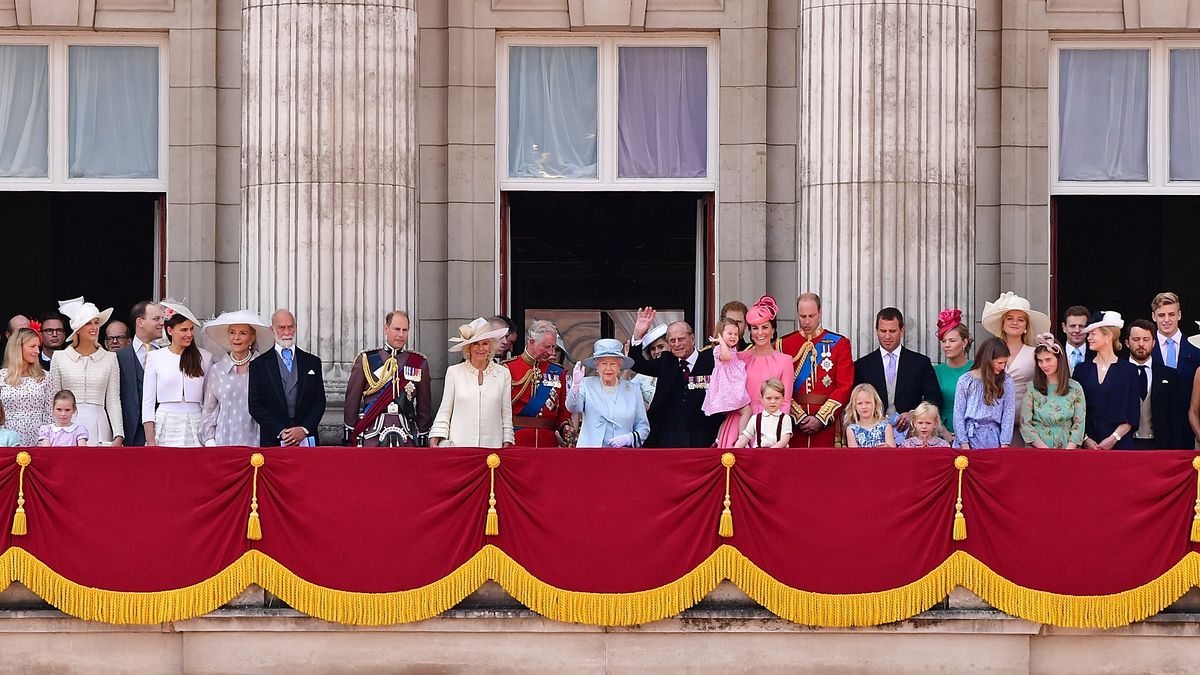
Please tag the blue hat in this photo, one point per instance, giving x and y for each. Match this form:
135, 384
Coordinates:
608, 347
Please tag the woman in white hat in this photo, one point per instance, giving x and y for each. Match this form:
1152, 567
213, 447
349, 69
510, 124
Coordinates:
476, 408
1110, 387
226, 413
1011, 319
654, 344
91, 373
173, 384
614, 415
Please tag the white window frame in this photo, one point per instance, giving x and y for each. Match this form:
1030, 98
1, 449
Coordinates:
58, 178
1158, 145
606, 121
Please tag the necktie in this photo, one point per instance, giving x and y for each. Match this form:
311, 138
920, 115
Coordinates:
891, 367
1143, 388
684, 368
1169, 354
287, 358
1076, 357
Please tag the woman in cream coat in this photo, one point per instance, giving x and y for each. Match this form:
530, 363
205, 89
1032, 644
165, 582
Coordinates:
476, 408
90, 373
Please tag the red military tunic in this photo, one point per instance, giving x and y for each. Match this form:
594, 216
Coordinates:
823, 368
537, 430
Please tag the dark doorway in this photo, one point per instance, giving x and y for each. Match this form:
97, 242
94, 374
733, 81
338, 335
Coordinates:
605, 254
1116, 252
66, 244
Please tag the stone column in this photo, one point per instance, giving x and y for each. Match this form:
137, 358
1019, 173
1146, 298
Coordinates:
886, 162
329, 169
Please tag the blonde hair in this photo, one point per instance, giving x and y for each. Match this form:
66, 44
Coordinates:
927, 409
15, 362
1164, 298
772, 384
852, 410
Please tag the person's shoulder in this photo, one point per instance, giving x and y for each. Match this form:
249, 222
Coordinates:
830, 336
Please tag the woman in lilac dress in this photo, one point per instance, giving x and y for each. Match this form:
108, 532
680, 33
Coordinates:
763, 362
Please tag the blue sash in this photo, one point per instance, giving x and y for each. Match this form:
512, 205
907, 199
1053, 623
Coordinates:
539, 396
806, 365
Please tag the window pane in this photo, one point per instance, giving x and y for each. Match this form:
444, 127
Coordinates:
662, 112
113, 112
24, 121
1102, 114
1185, 114
552, 112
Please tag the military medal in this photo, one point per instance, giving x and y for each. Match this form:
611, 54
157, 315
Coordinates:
827, 364
826, 380
393, 409
410, 389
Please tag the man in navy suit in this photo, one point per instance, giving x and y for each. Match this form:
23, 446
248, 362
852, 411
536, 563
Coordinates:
1158, 427
902, 377
1172, 349
147, 320
1075, 319
287, 392
676, 418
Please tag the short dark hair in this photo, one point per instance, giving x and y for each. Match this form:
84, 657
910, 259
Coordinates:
52, 316
1144, 324
889, 314
1076, 310
733, 306
139, 311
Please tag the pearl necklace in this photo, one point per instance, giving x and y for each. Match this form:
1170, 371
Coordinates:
241, 362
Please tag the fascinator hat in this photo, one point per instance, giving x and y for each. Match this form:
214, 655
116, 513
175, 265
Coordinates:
1047, 340
948, 320
764, 310
476, 331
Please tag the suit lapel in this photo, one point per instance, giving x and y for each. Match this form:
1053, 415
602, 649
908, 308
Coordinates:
273, 376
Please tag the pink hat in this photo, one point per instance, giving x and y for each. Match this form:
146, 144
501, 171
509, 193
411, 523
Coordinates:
948, 319
762, 311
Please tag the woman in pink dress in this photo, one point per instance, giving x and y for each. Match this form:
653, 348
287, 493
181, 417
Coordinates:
763, 362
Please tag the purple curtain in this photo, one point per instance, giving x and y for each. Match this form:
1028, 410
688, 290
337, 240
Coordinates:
662, 112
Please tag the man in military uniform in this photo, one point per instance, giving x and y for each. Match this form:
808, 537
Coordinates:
824, 375
539, 391
388, 398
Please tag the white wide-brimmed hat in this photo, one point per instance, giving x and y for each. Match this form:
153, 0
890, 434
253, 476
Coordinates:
993, 316
1106, 319
81, 312
217, 330
608, 347
652, 336
476, 331
1195, 339
171, 308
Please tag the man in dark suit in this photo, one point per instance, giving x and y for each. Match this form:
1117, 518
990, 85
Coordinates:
1172, 349
1157, 427
1075, 319
676, 419
147, 320
902, 377
287, 393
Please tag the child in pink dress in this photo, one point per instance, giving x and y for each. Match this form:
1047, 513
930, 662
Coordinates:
726, 392
64, 432
762, 362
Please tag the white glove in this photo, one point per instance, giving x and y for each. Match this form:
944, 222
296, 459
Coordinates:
577, 374
622, 441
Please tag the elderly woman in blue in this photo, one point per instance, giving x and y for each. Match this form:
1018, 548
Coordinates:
614, 414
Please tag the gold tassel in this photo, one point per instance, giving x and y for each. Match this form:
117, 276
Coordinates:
253, 525
491, 526
20, 527
960, 521
725, 528
1196, 518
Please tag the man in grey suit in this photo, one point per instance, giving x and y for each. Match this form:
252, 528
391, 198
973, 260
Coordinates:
147, 320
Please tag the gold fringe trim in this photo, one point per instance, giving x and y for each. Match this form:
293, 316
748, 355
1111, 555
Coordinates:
602, 609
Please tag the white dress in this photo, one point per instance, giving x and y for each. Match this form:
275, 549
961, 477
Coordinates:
475, 415
172, 400
95, 380
26, 406
1020, 368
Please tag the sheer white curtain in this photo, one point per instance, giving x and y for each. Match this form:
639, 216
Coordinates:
1102, 110
113, 112
24, 105
552, 109
1185, 114
662, 112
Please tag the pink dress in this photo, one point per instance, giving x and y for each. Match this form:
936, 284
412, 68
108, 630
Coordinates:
758, 370
726, 386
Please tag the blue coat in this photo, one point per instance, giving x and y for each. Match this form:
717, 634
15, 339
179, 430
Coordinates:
604, 418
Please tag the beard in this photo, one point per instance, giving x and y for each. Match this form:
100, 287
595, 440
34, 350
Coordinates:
286, 343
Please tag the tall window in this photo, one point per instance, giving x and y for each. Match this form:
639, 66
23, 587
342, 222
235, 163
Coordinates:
607, 113
82, 113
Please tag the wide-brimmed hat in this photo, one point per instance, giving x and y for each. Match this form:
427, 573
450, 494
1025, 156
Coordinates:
81, 312
1105, 320
171, 308
1195, 339
608, 347
653, 335
217, 330
476, 331
993, 316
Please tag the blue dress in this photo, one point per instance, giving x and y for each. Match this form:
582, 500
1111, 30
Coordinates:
1110, 403
978, 424
870, 437
608, 414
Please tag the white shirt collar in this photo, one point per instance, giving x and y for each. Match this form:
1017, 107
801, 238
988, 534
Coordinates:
70, 427
1173, 338
895, 352
1147, 363
1076, 350
279, 349
766, 413
691, 359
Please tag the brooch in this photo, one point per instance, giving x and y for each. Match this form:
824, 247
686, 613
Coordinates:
410, 389
827, 363
826, 380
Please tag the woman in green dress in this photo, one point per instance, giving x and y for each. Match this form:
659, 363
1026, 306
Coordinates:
1053, 411
956, 344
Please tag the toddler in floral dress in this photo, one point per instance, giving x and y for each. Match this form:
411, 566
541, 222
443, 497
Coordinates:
726, 392
865, 425
64, 432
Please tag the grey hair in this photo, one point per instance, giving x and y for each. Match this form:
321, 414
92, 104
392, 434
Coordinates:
685, 324
540, 329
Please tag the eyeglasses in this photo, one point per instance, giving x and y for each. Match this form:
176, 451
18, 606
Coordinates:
54, 330
115, 338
